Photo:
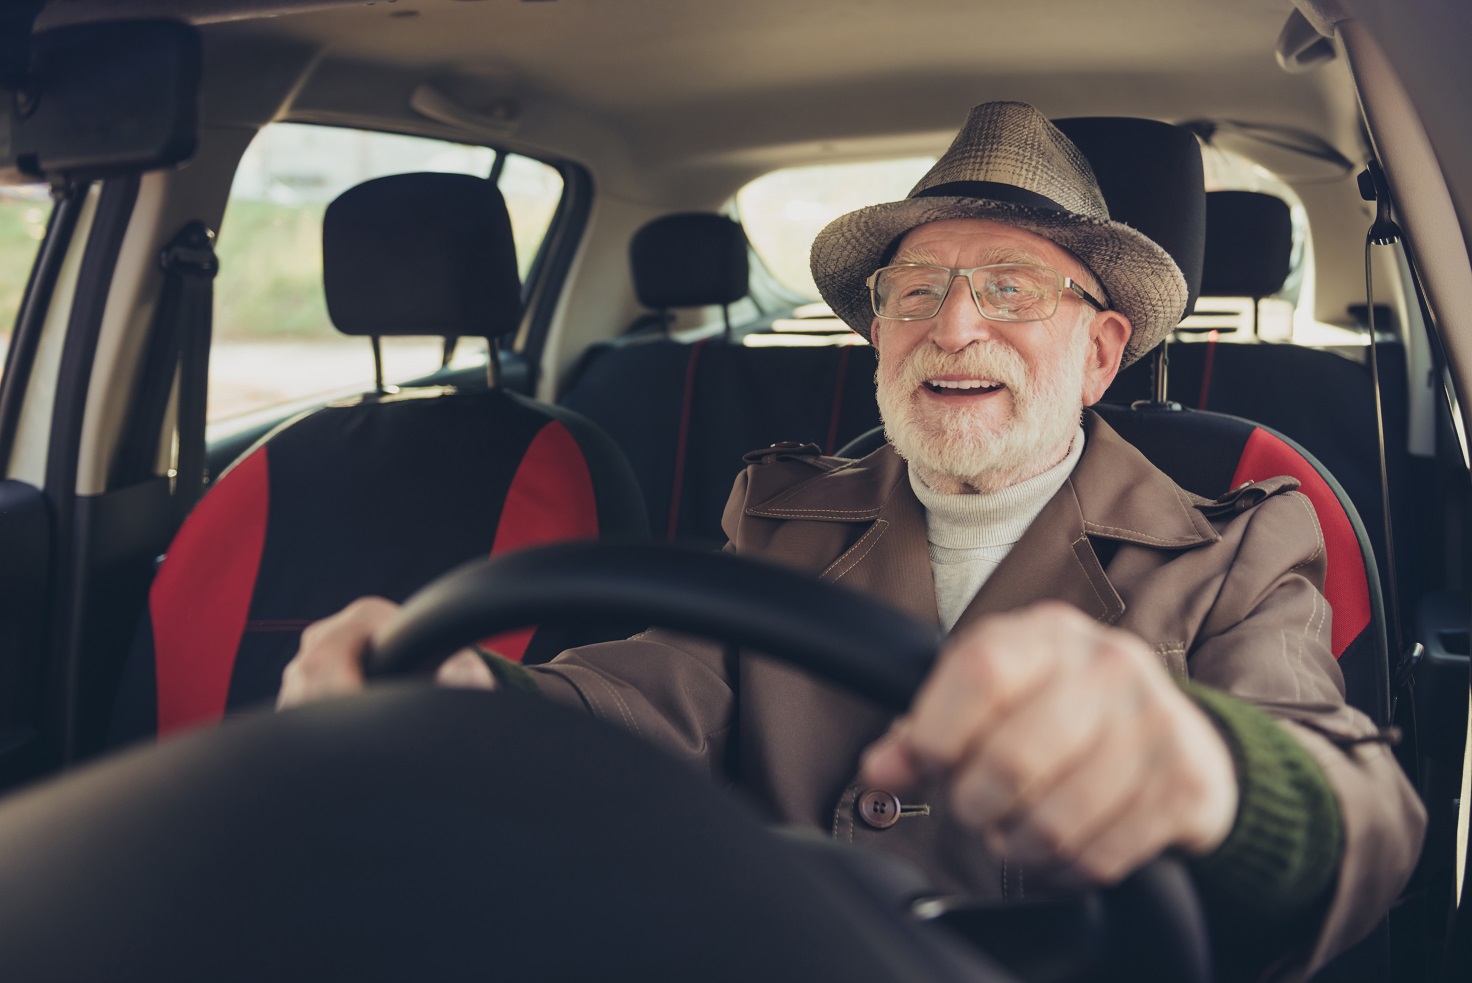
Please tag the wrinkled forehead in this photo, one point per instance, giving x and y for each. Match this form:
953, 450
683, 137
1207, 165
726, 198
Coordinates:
981, 242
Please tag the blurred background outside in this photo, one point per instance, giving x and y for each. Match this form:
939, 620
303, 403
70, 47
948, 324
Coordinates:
275, 348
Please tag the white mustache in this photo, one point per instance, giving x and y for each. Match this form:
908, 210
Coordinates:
994, 362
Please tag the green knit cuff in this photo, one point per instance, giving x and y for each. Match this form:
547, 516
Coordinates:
510, 675
1283, 852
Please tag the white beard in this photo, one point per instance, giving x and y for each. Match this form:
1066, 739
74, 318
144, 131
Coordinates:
954, 441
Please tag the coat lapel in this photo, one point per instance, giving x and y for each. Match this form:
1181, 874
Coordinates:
890, 558
1114, 493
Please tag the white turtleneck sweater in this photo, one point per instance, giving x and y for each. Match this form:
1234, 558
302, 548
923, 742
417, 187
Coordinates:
970, 534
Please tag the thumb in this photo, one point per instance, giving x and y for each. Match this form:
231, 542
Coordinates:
889, 762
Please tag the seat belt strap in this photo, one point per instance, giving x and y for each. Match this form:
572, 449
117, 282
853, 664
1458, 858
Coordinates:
180, 320
190, 266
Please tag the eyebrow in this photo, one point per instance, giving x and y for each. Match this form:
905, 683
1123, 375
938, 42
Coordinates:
993, 257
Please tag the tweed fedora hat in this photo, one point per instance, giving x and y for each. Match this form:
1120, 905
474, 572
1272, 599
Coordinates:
1011, 165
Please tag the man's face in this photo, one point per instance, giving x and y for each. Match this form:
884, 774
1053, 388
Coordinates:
987, 403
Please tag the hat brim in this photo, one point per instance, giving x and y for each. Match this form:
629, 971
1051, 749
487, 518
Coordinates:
1142, 281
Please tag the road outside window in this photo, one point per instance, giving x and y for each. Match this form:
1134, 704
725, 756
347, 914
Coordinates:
23, 213
274, 346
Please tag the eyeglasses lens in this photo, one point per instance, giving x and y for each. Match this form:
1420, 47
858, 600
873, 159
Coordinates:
1003, 293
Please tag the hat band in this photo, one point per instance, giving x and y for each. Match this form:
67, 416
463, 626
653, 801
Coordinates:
991, 190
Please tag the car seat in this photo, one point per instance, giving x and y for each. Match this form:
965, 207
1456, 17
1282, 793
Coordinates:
1321, 399
379, 493
685, 412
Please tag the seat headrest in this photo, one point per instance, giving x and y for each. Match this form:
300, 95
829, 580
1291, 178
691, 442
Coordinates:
1150, 174
421, 254
689, 260
1249, 244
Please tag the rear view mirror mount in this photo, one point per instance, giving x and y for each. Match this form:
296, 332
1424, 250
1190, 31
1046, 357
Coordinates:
102, 100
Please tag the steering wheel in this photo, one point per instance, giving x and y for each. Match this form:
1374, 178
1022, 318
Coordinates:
1152, 921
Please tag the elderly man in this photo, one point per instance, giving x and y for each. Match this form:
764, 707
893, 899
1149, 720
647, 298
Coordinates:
1129, 668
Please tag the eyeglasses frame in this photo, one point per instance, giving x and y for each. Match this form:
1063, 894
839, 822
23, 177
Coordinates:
1065, 283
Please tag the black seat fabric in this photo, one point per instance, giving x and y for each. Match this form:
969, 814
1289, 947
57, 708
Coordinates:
684, 414
1249, 244
689, 260
377, 494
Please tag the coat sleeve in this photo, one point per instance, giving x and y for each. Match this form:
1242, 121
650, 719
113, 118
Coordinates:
670, 688
1266, 641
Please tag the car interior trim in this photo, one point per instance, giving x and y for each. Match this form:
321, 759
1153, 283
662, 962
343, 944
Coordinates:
1423, 204
31, 448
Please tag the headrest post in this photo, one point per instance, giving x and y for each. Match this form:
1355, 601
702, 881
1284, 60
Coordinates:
493, 363
1158, 373
726, 317
1256, 317
449, 353
377, 364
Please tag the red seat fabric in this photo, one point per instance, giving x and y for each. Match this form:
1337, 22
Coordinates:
375, 497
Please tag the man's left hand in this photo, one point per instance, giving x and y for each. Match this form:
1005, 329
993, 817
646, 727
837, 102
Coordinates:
1065, 744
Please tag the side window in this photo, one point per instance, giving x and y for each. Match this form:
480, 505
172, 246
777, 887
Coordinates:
274, 346
23, 213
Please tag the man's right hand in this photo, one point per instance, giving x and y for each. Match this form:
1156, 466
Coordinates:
330, 659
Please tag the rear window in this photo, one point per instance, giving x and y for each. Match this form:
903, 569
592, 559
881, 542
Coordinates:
274, 346
783, 211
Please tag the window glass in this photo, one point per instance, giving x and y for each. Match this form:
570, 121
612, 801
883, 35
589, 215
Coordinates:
785, 210
1287, 315
274, 347
23, 213
532, 190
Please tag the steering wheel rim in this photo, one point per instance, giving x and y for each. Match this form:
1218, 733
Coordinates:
858, 642
854, 641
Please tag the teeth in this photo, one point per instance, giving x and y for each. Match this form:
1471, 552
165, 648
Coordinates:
963, 383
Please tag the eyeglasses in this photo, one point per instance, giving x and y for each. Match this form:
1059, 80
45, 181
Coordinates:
1005, 292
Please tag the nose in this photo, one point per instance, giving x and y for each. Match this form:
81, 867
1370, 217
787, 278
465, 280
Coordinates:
959, 323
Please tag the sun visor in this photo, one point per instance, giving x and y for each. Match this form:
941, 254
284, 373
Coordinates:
102, 100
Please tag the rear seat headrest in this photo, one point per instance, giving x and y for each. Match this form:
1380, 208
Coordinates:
1151, 176
689, 260
421, 254
1249, 244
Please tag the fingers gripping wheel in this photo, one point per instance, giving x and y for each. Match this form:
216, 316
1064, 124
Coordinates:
844, 637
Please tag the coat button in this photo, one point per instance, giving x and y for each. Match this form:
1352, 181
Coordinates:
879, 809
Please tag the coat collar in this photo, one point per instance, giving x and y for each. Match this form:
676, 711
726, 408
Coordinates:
1114, 493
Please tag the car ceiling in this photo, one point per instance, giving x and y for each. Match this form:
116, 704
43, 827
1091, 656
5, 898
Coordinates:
669, 99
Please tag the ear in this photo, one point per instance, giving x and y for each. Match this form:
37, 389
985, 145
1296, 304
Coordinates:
1108, 334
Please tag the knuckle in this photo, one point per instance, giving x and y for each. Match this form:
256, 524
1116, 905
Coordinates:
1106, 864
1010, 774
1053, 837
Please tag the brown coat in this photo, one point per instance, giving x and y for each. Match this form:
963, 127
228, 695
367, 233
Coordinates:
1229, 596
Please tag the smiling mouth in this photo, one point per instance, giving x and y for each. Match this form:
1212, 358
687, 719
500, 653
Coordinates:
963, 387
